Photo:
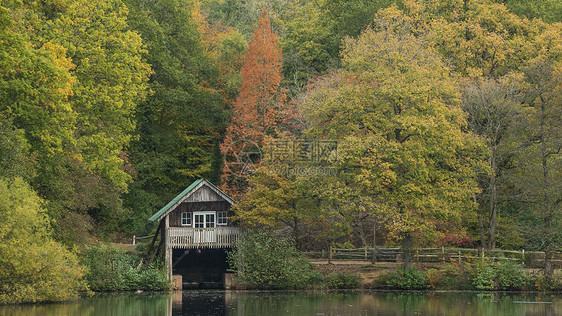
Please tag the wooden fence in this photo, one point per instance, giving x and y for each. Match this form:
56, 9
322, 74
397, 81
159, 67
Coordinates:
443, 254
217, 237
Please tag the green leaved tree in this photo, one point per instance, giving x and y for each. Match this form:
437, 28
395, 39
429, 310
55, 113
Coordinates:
111, 80
35, 87
94, 78
395, 110
179, 125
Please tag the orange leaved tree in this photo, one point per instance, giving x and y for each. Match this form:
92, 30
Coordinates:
258, 110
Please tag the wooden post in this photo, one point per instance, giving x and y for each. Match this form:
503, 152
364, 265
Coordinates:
134, 240
418, 255
523, 255
375, 234
443, 252
459, 256
167, 248
150, 253
375, 241
330, 254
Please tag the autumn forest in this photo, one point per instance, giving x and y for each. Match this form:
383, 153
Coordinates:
335, 123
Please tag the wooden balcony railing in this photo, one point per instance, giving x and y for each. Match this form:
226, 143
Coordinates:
189, 238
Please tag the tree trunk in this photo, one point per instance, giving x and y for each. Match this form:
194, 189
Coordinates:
296, 233
493, 202
482, 232
362, 234
407, 248
547, 209
548, 219
375, 234
548, 267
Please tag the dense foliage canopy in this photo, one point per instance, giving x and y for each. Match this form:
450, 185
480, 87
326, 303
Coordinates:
443, 118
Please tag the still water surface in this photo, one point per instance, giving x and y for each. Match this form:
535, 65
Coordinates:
299, 303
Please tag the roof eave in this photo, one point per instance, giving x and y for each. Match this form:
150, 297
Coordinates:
185, 194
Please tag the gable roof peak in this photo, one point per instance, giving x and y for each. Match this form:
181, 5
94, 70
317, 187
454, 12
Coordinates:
186, 194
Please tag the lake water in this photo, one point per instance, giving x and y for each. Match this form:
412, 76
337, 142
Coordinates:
299, 303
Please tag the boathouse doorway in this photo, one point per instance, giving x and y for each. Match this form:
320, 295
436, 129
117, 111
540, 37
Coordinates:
200, 268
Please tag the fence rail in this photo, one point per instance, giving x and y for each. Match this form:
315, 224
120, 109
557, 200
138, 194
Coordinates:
135, 238
443, 254
217, 237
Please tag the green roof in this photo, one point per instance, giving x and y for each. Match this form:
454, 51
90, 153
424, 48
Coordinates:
166, 208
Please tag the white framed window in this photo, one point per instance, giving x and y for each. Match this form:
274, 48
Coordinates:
204, 219
221, 218
186, 219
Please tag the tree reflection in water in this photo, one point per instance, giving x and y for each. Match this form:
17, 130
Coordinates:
216, 303
368, 303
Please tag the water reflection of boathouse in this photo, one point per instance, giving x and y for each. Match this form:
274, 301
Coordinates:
196, 233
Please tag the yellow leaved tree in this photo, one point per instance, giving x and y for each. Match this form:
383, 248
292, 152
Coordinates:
404, 153
33, 267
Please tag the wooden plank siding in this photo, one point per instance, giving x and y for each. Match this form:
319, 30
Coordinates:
215, 206
204, 194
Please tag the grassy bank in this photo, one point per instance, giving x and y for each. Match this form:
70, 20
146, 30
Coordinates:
475, 276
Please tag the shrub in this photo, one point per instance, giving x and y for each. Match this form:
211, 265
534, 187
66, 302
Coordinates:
33, 267
262, 260
153, 279
456, 277
111, 269
506, 275
433, 277
485, 276
511, 276
547, 283
407, 280
342, 281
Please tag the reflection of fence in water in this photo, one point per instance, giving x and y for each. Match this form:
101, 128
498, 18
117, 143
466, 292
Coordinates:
443, 254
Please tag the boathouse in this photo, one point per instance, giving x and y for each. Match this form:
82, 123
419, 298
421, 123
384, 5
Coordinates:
196, 232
